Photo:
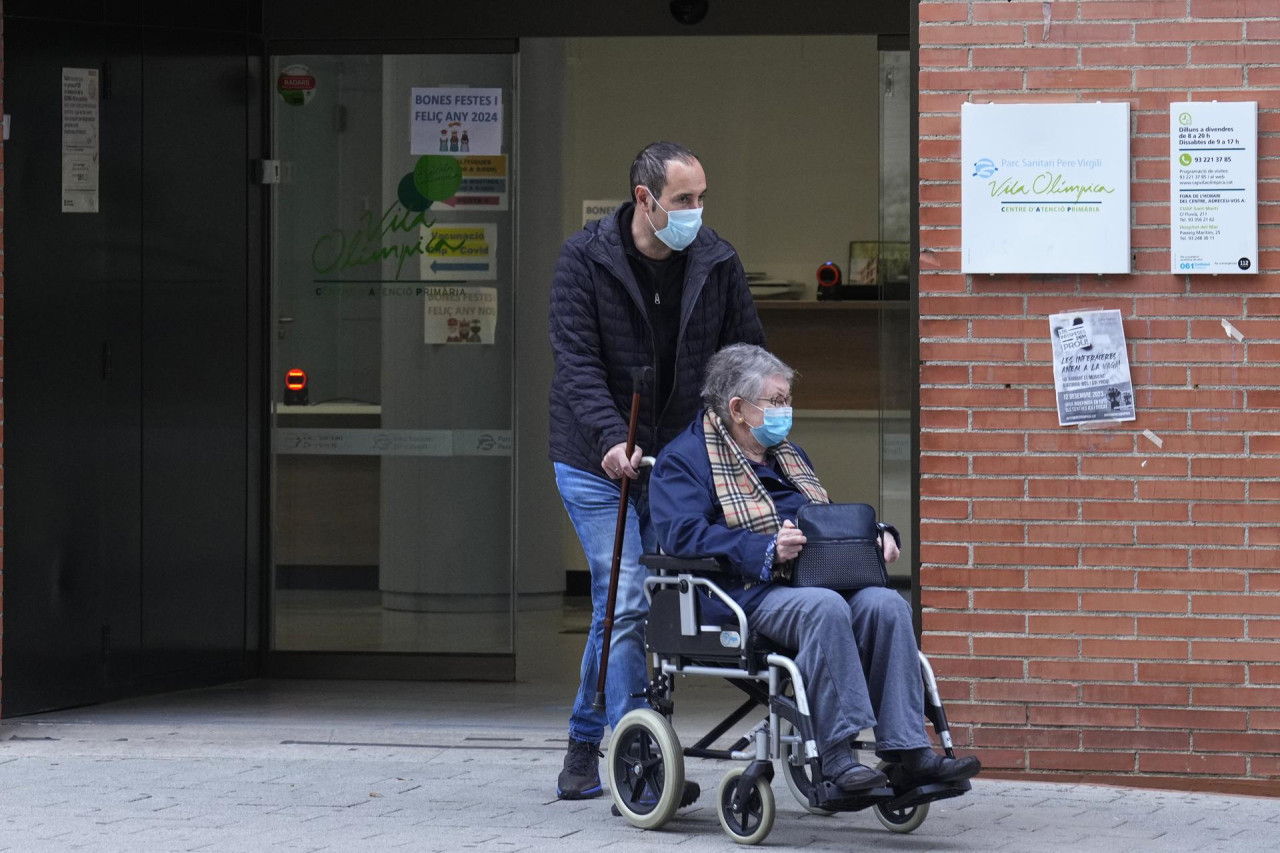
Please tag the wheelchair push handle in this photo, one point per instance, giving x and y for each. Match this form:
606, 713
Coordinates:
640, 378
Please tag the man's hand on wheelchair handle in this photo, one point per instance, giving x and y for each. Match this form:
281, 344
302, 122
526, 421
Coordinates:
616, 464
790, 541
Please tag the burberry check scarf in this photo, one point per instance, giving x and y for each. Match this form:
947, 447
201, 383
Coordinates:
744, 499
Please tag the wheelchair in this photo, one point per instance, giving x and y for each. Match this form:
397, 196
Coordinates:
646, 761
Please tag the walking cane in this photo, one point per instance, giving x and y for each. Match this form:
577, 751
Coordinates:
639, 378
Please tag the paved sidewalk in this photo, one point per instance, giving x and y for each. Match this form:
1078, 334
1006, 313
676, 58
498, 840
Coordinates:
356, 766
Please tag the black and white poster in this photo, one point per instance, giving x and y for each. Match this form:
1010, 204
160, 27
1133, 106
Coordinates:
1091, 367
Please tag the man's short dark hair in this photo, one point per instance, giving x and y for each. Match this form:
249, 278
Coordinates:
650, 166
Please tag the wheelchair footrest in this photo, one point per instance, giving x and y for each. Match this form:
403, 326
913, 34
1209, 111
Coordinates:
928, 794
833, 798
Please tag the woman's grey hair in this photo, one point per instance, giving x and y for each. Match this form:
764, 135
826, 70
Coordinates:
740, 370
650, 166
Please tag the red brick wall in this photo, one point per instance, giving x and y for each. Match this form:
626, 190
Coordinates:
1093, 603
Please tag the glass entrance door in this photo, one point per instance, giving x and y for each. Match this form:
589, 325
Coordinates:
392, 259
898, 376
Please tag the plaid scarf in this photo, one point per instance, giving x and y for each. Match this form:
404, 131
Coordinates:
744, 499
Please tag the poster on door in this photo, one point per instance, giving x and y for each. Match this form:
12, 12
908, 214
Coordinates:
1213, 187
1091, 367
455, 121
459, 251
80, 133
483, 186
460, 315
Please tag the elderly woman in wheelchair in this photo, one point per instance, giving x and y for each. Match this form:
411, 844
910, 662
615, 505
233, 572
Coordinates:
729, 488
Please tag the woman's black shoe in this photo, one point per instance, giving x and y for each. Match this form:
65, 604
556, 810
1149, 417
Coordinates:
916, 767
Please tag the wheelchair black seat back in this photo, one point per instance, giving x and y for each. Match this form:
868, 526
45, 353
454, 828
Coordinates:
646, 761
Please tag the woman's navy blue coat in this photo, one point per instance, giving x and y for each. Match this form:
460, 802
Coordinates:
690, 523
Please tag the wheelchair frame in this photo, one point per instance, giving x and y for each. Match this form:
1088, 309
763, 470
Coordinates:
646, 761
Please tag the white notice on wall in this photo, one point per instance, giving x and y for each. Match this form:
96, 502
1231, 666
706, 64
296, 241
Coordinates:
460, 315
1213, 187
455, 121
1044, 188
1091, 367
80, 134
593, 209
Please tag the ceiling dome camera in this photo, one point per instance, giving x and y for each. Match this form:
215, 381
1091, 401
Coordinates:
689, 11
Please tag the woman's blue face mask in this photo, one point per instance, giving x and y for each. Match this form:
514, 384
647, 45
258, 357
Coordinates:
777, 423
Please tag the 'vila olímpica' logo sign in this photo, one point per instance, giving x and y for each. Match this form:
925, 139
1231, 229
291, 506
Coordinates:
1046, 189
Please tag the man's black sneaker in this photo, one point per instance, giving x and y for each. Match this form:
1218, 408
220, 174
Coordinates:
916, 767
688, 797
580, 778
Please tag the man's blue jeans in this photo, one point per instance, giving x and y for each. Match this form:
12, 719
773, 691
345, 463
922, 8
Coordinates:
592, 504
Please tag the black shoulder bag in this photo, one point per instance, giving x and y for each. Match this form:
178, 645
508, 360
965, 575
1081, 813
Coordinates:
841, 551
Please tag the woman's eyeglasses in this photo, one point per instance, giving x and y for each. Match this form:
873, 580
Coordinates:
776, 401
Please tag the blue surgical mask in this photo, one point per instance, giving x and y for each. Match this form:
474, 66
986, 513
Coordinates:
682, 226
777, 423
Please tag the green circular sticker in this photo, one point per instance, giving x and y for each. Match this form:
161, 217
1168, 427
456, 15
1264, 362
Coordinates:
409, 195
437, 178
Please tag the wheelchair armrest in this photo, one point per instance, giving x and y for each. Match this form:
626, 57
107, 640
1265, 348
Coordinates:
686, 583
684, 565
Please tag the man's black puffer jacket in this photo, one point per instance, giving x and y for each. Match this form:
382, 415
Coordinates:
600, 333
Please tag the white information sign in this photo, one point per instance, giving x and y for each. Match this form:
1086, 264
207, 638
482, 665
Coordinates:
593, 209
455, 121
80, 134
1045, 188
1213, 187
459, 252
460, 315
1091, 367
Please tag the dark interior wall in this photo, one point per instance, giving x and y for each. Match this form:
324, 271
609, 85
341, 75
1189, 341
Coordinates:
232, 16
134, 457
416, 19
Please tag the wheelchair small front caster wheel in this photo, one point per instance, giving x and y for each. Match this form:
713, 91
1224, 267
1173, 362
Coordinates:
646, 768
753, 822
900, 820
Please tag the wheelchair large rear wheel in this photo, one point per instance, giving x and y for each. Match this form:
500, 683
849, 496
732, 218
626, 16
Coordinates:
752, 823
900, 820
797, 771
646, 768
